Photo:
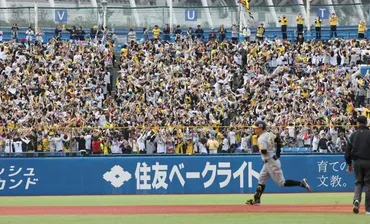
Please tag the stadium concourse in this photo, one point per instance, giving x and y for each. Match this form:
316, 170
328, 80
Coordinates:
191, 96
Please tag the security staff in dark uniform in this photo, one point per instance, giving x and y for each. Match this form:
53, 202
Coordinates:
284, 24
358, 151
318, 23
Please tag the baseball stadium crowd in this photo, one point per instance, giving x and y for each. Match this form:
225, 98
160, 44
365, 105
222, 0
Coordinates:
199, 94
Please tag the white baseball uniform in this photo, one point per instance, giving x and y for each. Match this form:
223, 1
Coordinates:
271, 167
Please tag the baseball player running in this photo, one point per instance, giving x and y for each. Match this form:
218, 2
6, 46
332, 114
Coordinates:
272, 166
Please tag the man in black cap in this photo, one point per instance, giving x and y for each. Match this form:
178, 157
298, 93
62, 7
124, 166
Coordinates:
358, 151
272, 166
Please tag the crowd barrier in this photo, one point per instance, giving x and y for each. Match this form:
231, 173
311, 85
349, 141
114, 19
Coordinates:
288, 150
345, 32
165, 175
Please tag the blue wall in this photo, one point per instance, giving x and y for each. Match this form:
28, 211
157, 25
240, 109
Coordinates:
345, 32
180, 174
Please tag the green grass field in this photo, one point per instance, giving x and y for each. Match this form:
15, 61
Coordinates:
286, 218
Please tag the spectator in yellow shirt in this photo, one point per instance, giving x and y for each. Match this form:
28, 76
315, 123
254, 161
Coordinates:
212, 145
260, 32
318, 23
366, 112
300, 21
156, 32
333, 25
124, 51
361, 29
284, 24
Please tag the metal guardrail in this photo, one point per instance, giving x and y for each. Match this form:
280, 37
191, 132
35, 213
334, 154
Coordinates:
78, 154
270, 33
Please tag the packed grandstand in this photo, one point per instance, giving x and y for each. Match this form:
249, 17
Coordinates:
195, 93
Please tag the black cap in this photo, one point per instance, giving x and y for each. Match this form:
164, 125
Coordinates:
259, 124
362, 120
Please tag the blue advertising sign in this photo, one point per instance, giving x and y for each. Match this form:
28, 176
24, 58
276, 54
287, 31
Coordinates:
164, 175
323, 12
61, 15
191, 15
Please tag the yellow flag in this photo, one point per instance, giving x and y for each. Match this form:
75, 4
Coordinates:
246, 5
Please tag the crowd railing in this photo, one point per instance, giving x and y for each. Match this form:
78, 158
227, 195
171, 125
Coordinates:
121, 38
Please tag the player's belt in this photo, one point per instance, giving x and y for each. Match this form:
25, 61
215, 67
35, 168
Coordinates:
275, 157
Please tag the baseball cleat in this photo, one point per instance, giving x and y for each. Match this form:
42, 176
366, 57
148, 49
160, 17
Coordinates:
257, 201
253, 202
356, 206
305, 185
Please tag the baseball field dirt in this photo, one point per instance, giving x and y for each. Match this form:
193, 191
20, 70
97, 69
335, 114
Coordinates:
170, 209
